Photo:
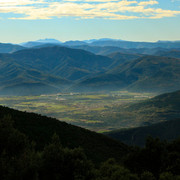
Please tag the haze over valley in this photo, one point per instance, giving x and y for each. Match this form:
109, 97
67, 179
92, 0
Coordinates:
89, 90
91, 83
122, 93
71, 66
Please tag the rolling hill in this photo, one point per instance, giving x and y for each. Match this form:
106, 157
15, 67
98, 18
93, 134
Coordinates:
40, 129
10, 48
72, 64
48, 69
172, 53
169, 131
158, 109
132, 44
56, 66
157, 117
15, 79
100, 50
107, 50
120, 58
145, 74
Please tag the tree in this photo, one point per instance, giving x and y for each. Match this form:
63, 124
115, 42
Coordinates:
110, 170
147, 176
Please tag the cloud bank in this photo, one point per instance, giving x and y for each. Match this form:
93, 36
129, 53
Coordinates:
86, 9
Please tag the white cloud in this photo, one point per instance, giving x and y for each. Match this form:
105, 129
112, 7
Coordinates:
145, 3
87, 9
92, 0
19, 2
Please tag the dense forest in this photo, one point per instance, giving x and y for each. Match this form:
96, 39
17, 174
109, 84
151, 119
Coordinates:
22, 156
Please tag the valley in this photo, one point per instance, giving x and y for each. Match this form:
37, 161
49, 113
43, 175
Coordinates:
94, 111
103, 85
96, 98
90, 90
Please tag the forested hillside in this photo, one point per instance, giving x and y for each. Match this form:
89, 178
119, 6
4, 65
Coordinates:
49, 158
145, 74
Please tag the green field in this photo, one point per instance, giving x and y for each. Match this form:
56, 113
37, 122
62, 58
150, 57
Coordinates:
93, 111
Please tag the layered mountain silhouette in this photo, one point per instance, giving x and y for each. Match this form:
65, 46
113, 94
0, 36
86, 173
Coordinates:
147, 73
51, 67
10, 48
16, 79
56, 68
172, 53
130, 44
39, 42
121, 58
107, 42
65, 62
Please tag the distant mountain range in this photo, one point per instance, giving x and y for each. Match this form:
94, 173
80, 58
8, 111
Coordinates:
10, 48
72, 64
171, 53
145, 74
30, 44
80, 66
17, 79
98, 46
109, 42
50, 67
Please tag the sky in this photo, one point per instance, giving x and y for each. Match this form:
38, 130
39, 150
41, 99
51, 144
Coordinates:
132, 20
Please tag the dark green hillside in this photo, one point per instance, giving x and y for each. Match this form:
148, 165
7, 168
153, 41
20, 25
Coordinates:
46, 45
169, 130
172, 53
160, 108
100, 50
147, 73
29, 88
61, 155
13, 73
65, 62
148, 51
47, 69
121, 58
40, 129
19, 159
165, 107
167, 100
15, 79
106, 50
9, 48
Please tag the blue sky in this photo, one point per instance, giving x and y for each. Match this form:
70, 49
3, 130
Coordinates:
135, 20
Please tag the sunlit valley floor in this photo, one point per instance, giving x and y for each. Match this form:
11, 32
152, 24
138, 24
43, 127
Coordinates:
95, 111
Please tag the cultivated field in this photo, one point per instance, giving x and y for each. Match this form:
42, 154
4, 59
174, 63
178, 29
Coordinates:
94, 111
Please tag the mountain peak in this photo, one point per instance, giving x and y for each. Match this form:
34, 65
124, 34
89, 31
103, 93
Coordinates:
49, 40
